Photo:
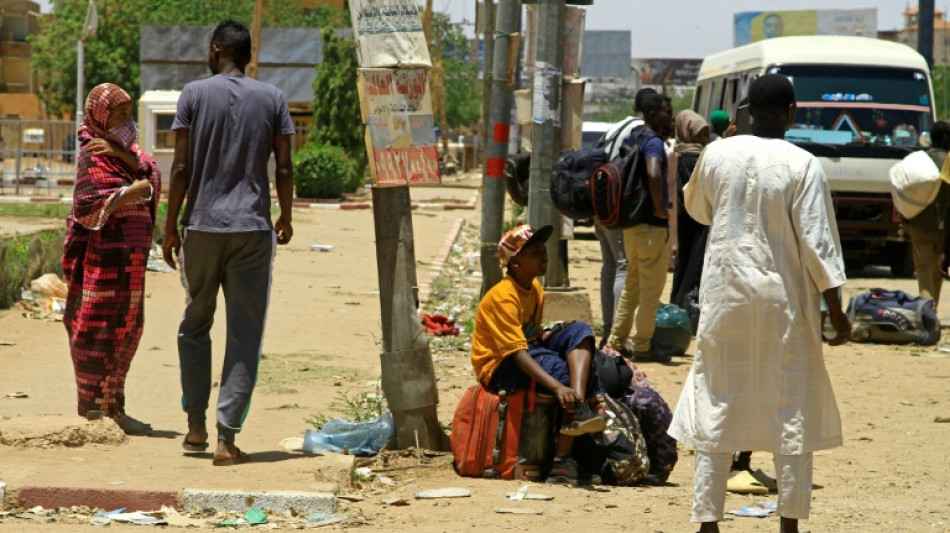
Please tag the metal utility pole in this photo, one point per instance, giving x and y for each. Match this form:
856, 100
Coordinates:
545, 134
488, 32
89, 28
504, 63
925, 30
255, 38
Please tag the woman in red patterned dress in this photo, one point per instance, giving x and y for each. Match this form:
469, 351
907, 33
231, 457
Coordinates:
108, 238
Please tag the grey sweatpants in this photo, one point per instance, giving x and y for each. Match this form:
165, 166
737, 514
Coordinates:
240, 264
613, 272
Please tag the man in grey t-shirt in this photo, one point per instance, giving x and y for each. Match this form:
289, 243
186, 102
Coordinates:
226, 128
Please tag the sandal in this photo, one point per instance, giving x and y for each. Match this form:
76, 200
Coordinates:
231, 460
193, 447
131, 426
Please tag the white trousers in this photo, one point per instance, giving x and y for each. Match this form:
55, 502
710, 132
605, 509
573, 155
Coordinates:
793, 474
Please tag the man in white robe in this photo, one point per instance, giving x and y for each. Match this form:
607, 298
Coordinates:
758, 380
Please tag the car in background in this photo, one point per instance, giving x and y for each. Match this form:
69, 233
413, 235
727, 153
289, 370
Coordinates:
591, 132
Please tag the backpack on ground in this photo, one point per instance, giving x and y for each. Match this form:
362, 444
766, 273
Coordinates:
672, 334
619, 192
619, 452
571, 178
655, 417
893, 317
504, 435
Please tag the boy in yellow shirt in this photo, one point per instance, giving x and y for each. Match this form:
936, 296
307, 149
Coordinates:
510, 349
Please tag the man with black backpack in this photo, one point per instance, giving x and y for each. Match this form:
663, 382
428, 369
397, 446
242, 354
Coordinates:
613, 272
646, 243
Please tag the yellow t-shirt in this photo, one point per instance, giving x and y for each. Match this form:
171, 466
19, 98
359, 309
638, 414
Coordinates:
508, 318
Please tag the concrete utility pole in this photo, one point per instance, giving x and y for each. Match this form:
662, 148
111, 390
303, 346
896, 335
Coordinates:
255, 38
925, 30
545, 135
499, 126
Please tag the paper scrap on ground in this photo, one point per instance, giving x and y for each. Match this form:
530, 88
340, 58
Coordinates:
756, 511
448, 492
517, 510
321, 247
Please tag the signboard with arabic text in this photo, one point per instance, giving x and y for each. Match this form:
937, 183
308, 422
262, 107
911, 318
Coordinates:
389, 33
400, 128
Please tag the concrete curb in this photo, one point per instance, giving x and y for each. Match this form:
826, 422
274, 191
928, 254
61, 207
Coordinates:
133, 500
425, 285
185, 500
278, 502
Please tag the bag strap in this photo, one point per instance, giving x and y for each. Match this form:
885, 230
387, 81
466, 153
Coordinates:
500, 430
613, 138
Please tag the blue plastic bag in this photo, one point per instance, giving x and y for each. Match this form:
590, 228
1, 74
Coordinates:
673, 333
360, 438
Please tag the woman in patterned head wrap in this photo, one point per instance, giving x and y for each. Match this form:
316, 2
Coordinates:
108, 238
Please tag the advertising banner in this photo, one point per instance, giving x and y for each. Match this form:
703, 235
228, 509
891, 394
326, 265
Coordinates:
389, 33
400, 129
658, 71
753, 26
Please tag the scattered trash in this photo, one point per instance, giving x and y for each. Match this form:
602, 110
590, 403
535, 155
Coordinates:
395, 502
438, 325
321, 247
743, 482
292, 444
255, 516
140, 518
324, 519
7, 343
48, 286
16, 395
359, 438
757, 511
942, 420
35, 516
156, 264
117, 483
386, 480
519, 494
517, 510
448, 492
56, 305
100, 521
351, 497
112, 512
536, 497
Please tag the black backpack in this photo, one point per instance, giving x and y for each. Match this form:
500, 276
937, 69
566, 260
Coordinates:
571, 178
619, 191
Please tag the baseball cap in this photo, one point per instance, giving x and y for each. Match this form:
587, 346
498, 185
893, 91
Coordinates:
718, 116
515, 239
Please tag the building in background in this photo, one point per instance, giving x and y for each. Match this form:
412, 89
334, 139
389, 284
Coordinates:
752, 26
908, 35
612, 81
18, 20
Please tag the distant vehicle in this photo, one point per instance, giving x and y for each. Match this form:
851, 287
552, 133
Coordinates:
591, 132
863, 104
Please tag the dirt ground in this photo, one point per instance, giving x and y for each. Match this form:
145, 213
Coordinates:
323, 338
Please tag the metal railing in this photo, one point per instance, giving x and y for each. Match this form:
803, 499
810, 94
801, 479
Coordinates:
37, 157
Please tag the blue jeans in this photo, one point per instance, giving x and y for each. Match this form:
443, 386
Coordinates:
551, 355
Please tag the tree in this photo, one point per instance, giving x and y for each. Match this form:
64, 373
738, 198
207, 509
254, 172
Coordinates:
336, 105
112, 55
463, 93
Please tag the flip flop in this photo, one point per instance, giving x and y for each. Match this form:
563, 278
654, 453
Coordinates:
765, 480
240, 458
132, 427
743, 482
193, 447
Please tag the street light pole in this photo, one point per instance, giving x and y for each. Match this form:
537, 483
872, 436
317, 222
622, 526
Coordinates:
88, 29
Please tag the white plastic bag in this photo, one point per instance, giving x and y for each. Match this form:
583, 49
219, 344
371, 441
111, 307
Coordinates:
915, 182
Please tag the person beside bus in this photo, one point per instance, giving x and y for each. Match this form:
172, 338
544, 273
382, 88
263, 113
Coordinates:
927, 228
758, 380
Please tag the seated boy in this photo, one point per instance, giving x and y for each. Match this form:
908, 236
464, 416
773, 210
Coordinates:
509, 348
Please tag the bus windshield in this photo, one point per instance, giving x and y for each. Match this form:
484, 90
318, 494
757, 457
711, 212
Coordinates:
864, 105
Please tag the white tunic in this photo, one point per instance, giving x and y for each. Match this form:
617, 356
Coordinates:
758, 380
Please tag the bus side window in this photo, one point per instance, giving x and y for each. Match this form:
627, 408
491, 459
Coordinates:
715, 100
703, 99
698, 99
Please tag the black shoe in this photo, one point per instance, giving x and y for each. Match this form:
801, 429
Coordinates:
565, 471
583, 421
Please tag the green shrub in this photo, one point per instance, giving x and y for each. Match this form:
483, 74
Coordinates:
324, 171
25, 258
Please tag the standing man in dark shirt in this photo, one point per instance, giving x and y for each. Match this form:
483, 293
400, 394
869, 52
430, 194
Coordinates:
226, 128
646, 244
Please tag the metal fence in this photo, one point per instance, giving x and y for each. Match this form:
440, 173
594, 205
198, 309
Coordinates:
37, 157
